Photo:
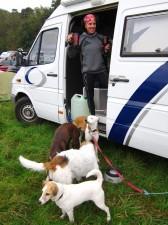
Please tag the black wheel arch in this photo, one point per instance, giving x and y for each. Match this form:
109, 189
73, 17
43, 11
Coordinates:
19, 96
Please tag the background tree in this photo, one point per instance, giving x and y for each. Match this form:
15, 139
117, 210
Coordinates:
19, 29
31, 22
55, 4
4, 23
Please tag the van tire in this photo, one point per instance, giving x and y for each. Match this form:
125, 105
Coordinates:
25, 112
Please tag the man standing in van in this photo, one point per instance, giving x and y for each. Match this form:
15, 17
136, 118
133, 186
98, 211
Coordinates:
93, 49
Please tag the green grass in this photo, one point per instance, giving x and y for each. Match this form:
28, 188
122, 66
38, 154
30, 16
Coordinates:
5, 85
20, 189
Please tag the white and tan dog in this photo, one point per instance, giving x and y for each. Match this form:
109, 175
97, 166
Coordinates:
67, 197
67, 165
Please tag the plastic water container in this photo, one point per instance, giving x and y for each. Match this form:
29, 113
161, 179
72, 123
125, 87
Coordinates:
79, 106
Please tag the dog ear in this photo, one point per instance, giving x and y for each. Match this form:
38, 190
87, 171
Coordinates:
54, 190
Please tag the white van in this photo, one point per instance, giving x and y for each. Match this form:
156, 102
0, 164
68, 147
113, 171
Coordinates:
135, 106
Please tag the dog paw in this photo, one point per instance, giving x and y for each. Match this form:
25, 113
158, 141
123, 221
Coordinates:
62, 216
108, 219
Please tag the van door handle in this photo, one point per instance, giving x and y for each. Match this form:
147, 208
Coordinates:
52, 75
118, 79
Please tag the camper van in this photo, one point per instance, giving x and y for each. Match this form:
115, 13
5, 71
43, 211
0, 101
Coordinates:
133, 111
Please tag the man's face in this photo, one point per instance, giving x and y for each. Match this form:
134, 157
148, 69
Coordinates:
90, 26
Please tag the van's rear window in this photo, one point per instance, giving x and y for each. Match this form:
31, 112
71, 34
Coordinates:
146, 35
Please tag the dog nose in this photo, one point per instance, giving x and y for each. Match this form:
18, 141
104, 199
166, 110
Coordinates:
40, 201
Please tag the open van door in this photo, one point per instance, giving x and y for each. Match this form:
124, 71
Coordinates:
137, 106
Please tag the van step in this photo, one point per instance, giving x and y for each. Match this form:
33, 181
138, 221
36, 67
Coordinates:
102, 128
100, 112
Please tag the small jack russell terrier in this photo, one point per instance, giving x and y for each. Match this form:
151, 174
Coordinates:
67, 197
67, 165
91, 130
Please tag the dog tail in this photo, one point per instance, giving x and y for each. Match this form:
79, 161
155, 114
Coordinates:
31, 164
97, 173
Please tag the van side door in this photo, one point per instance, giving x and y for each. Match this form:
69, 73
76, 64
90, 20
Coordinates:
137, 107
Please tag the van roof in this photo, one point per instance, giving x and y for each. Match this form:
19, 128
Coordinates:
70, 6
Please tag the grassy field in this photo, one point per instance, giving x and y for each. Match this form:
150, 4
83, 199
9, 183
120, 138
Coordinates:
5, 85
20, 189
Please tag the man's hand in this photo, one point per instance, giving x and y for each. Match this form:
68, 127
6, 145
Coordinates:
70, 38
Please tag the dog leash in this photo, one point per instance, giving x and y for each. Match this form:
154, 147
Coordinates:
128, 183
109, 162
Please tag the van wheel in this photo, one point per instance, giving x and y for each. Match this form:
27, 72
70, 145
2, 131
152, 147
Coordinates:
25, 112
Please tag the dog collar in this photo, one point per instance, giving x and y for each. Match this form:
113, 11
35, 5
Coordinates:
94, 130
60, 197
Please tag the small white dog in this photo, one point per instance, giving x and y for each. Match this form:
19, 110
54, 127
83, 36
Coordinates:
67, 197
91, 130
67, 165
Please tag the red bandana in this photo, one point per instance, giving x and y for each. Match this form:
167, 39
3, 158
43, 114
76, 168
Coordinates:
88, 18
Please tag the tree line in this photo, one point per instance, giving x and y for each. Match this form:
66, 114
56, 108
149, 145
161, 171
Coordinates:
18, 29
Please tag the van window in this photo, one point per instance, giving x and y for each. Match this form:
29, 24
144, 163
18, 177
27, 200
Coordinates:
146, 35
44, 50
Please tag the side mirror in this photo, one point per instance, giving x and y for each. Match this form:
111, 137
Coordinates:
25, 60
20, 58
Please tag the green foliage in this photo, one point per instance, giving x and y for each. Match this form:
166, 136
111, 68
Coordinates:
30, 25
20, 29
20, 188
55, 3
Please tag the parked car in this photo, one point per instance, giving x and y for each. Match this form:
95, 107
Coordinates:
3, 68
13, 69
3, 56
8, 58
8, 61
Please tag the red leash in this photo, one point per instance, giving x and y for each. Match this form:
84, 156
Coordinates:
109, 162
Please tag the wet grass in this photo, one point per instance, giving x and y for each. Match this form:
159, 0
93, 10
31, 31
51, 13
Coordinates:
20, 189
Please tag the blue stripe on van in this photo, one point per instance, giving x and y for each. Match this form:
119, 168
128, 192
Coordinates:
143, 95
